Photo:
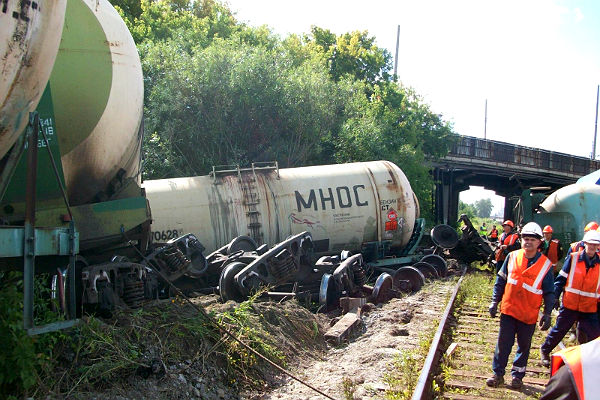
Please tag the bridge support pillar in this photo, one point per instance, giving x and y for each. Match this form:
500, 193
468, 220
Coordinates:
447, 190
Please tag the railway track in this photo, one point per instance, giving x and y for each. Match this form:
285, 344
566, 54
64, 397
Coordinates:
469, 339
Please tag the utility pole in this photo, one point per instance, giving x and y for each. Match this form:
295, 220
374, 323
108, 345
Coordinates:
595, 125
396, 56
485, 122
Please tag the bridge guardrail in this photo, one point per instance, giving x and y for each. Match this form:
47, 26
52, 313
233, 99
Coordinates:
489, 150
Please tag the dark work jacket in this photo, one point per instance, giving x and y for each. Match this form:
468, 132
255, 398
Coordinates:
560, 386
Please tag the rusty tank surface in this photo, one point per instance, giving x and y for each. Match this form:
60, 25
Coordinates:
30, 33
342, 206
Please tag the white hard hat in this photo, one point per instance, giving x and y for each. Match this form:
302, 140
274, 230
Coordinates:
532, 229
592, 237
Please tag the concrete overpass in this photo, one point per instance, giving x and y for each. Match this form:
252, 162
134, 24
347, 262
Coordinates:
505, 168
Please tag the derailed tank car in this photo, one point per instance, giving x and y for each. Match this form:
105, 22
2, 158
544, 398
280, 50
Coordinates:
344, 206
567, 210
366, 207
79, 61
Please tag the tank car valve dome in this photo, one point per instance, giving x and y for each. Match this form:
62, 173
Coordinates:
509, 223
532, 229
592, 225
592, 236
548, 229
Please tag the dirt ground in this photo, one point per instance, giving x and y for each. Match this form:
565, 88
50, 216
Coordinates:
387, 330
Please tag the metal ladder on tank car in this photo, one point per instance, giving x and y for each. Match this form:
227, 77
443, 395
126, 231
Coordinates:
251, 197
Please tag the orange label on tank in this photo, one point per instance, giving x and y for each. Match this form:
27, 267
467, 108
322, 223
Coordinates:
391, 225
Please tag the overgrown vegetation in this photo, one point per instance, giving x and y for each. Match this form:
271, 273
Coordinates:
24, 357
145, 343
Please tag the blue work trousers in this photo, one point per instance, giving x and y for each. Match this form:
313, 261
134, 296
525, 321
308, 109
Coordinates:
588, 324
509, 328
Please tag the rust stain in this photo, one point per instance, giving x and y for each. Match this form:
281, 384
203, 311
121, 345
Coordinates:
390, 171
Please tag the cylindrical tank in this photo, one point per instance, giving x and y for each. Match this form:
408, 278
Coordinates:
29, 37
570, 208
97, 92
342, 206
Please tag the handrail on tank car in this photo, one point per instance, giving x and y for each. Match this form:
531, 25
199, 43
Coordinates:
228, 169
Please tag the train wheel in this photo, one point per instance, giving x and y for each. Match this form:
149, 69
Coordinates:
428, 270
408, 279
438, 263
382, 290
444, 236
80, 265
244, 243
329, 293
228, 288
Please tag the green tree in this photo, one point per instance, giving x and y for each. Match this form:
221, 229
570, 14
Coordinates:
354, 54
235, 104
484, 208
394, 124
468, 209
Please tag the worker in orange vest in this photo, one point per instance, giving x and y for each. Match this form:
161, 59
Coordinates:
577, 246
523, 281
509, 241
575, 373
552, 248
580, 279
493, 234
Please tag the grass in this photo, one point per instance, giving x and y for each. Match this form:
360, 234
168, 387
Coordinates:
406, 368
153, 340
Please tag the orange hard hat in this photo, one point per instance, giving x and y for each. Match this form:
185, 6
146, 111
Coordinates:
548, 229
593, 225
509, 223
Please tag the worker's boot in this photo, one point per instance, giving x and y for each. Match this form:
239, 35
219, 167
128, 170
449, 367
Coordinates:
495, 381
545, 357
517, 383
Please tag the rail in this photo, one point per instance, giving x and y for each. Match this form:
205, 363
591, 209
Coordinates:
421, 386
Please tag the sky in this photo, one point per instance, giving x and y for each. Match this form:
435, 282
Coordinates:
537, 62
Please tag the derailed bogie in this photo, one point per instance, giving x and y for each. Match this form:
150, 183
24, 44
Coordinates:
289, 260
178, 257
116, 284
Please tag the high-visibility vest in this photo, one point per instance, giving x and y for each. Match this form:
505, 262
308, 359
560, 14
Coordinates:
582, 289
552, 251
523, 294
508, 240
576, 246
584, 365
494, 233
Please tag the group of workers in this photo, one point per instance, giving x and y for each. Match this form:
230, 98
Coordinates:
527, 276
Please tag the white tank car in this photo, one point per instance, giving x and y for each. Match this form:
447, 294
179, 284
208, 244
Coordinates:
341, 205
98, 93
571, 208
29, 37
